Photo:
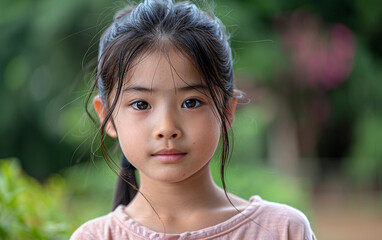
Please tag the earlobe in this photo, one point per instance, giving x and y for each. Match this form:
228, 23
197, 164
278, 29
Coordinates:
100, 108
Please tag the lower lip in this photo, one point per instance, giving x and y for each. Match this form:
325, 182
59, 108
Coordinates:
169, 158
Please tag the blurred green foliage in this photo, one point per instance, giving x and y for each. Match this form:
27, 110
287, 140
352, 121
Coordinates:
29, 210
44, 45
55, 208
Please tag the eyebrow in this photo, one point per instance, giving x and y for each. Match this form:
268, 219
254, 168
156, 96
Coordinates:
183, 89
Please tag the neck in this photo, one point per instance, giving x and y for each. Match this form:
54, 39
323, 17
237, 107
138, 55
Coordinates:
198, 192
192, 204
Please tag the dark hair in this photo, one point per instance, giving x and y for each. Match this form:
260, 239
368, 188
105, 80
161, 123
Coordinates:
198, 35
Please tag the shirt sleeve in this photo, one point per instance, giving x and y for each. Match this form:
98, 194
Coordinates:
283, 222
299, 226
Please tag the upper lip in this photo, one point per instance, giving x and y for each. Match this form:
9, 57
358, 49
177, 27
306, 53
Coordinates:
168, 152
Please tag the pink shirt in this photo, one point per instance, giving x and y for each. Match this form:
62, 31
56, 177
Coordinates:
260, 220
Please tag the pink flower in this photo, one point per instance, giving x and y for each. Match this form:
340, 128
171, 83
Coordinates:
319, 58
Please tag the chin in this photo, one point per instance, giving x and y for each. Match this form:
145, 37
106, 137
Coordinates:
170, 177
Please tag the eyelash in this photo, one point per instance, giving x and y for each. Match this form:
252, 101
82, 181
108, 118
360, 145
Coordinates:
137, 104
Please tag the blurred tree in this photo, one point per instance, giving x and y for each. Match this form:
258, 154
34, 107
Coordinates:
343, 140
44, 46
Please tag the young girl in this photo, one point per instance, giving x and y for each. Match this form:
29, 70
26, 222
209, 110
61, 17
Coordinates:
165, 85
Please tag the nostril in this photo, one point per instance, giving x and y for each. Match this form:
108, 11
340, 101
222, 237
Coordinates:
164, 135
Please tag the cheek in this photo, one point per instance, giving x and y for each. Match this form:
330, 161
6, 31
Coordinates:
207, 136
130, 139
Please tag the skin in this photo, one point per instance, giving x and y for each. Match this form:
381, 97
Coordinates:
157, 113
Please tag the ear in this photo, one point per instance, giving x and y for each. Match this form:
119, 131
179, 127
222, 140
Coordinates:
232, 109
100, 108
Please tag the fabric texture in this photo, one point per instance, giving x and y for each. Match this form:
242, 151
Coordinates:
260, 220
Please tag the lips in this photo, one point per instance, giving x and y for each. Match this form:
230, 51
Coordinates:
169, 155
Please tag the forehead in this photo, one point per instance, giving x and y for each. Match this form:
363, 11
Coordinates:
164, 70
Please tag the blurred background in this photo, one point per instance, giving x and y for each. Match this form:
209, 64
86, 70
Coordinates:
308, 133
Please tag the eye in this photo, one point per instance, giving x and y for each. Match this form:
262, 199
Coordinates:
140, 105
191, 103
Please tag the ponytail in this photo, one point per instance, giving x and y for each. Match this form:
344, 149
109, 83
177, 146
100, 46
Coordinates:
124, 192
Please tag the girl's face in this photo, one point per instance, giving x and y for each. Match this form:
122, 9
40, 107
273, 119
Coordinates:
165, 120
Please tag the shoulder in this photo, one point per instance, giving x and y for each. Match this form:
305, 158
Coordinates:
105, 227
289, 222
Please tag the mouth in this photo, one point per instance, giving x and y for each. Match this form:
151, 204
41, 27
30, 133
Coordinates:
169, 155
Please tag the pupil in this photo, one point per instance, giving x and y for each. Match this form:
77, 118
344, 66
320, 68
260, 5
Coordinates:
141, 105
190, 103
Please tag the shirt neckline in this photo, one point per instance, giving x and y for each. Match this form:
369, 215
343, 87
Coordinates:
222, 228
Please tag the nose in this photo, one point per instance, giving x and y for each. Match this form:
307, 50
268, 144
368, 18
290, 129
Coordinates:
167, 127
